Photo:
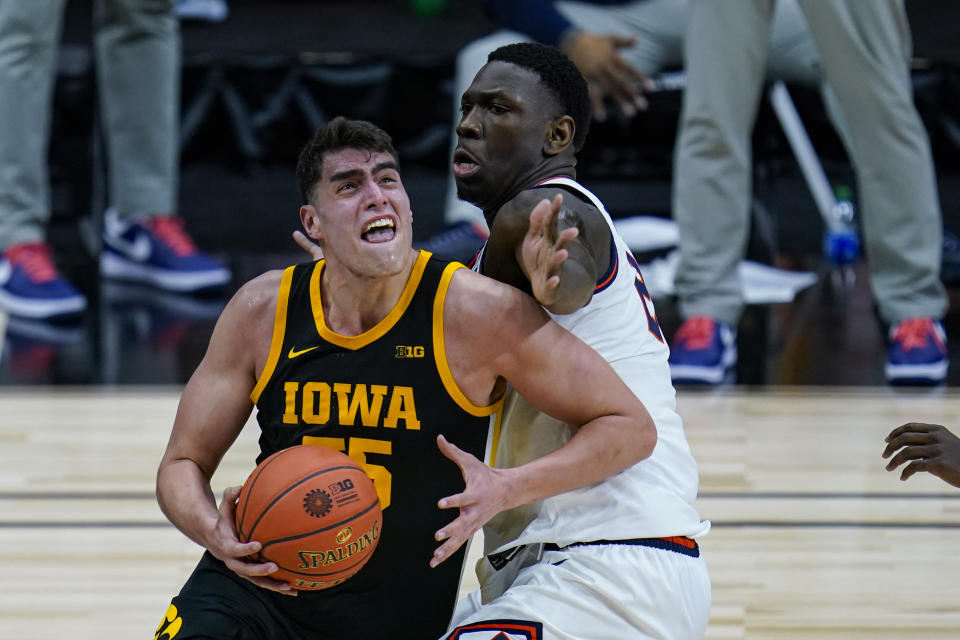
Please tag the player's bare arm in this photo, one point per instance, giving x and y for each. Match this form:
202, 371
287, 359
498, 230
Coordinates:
926, 447
560, 246
213, 409
495, 333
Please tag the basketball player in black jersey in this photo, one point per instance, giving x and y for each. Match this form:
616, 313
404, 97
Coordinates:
399, 359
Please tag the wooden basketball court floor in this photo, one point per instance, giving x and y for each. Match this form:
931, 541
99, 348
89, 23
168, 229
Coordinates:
811, 537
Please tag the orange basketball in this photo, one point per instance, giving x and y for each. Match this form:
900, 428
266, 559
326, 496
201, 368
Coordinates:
315, 512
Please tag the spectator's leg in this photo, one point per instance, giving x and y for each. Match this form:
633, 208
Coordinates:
138, 62
725, 59
866, 48
29, 34
138, 53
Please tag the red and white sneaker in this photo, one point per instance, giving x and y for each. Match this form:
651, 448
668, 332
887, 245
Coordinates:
32, 287
917, 354
703, 350
158, 251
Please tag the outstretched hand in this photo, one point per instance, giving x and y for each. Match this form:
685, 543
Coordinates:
308, 245
485, 495
545, 249
928, 447
224, 545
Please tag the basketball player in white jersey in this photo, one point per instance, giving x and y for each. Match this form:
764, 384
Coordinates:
618, 559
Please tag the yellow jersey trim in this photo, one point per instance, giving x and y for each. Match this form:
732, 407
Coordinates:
440, 350
493, 436
276, 344
377, 331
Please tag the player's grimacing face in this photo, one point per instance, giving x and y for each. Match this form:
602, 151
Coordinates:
505, 116
363, 211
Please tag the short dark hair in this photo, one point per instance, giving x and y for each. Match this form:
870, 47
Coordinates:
339, 133
559, 75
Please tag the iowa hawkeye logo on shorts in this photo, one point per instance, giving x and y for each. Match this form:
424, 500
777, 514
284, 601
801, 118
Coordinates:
170, 625
498, 630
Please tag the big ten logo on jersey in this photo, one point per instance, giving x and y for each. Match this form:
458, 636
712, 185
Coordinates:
311, 403
404, 351
652, 323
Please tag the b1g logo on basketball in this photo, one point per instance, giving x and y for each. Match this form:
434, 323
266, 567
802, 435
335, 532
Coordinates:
327, 557
343, 492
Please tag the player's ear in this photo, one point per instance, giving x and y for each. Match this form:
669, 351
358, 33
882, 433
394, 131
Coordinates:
310, 219
559, 135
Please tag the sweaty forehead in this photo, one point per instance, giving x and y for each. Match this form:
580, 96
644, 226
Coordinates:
363, 160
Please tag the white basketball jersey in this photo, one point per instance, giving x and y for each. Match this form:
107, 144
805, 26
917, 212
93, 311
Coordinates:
653, 498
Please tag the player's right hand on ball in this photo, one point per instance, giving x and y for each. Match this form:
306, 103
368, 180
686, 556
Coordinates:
224, 545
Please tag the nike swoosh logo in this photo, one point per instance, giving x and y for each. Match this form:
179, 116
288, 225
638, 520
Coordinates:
293, 353
6, 270
113, 229
138, 250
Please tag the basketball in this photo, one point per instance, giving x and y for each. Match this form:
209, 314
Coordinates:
315, 512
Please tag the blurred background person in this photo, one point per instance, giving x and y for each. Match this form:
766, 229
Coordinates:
865, 49
137, 52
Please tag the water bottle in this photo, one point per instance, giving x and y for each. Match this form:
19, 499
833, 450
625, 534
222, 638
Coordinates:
841, 244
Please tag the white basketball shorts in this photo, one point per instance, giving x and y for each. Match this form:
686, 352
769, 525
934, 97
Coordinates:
595, 592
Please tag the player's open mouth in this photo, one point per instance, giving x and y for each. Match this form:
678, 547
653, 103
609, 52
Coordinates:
379, 230
463, 164
464, 169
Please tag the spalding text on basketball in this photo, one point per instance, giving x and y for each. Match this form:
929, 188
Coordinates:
325, 558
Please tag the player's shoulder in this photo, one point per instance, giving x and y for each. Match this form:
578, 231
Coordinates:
262, 289
475, 297
246, 324
574, 200
257, 297
577, 210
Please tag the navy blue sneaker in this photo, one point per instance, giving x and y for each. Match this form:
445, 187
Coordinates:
918, 352
157, 251
702, 352
31, 286
459, 241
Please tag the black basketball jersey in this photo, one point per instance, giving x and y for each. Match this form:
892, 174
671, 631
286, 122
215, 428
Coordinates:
381, 397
